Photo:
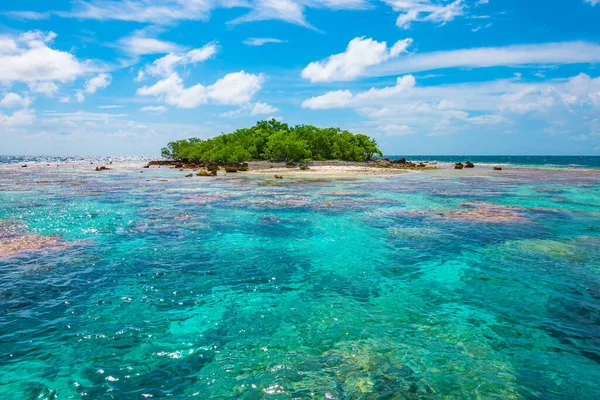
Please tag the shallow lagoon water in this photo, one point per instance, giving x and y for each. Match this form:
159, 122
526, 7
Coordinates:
246, 287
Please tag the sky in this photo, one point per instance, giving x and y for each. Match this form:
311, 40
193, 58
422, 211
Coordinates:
429, 77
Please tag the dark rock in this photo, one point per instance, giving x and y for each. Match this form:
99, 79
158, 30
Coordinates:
400, 161
469, 165
207, 173
278, 177
24, 166
304, 167
178, 165
290, 165
231, 169
189, 175
146, 166
458, 165
102, 168
497, 168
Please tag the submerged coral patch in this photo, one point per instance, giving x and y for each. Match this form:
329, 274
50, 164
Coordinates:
14, 240
487, 212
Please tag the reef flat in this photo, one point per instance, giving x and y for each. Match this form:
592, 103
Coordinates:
436, 282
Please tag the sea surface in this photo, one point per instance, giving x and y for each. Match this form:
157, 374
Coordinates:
142, 283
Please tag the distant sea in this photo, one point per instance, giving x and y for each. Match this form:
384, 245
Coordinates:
520, 161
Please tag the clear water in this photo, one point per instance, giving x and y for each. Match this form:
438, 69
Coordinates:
176, 287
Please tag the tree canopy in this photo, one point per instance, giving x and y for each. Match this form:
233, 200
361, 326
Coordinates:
276, 141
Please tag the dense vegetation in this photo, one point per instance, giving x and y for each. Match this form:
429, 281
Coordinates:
276, 141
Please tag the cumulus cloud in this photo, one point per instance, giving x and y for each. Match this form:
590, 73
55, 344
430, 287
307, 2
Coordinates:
234, 88
99, 82
165, 66
79, 96
334, 99
345, 98
425, 11
592, 2
360, 54
250, 110
28, 58
139, 44
18, 118
47, 88
446, 108
11, 100
261, 41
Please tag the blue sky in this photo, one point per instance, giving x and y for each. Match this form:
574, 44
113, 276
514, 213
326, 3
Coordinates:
124, 77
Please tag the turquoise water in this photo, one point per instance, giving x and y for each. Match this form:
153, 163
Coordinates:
247, 287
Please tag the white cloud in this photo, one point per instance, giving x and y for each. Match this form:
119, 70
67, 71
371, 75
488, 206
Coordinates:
285, 10
109, 107
593, 2
154, 109
233, 88
250, 110
99, 82
79, 96
360, 54
425, 11
514, 55
261, 41
28, 58
146, 11
20, 117
47, 88
397, 130
139, 44
28, 15
165, 66
407, 108
335, 99
160, 12
14, 100
345, 98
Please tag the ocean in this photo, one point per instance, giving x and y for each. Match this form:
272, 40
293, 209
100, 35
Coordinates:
142, 283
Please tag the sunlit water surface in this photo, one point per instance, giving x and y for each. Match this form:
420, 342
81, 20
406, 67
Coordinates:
246, 287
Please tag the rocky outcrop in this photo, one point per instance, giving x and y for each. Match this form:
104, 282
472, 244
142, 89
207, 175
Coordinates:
207, 173
497, 168
304, 167
469, 164
102, 168
278, 177
459, 165
189, 175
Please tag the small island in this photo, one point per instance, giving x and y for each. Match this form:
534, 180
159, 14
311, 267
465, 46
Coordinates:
270, 145
275, 141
